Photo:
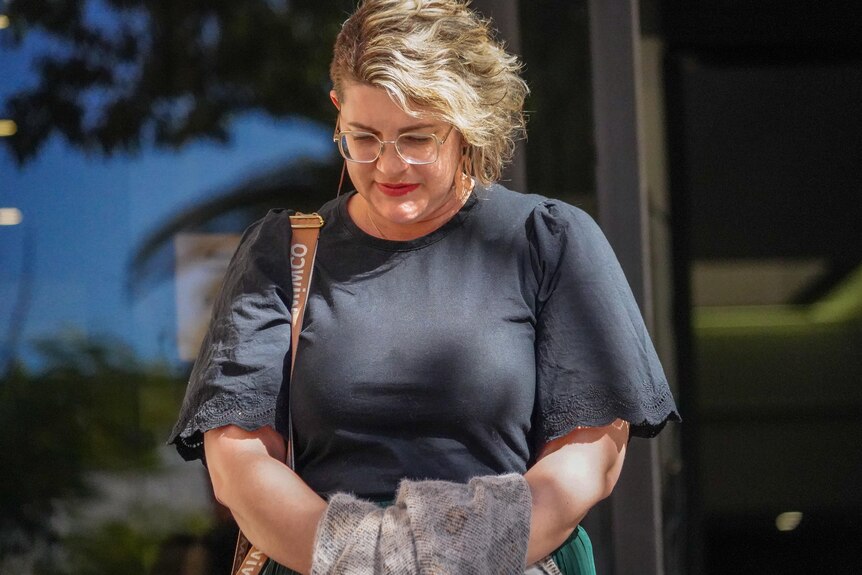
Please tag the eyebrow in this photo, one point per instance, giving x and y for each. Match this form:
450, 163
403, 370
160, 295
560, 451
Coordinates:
410, 128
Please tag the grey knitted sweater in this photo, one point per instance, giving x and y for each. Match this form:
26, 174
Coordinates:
433, 527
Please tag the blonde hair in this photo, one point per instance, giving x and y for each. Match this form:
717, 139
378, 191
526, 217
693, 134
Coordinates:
438, 57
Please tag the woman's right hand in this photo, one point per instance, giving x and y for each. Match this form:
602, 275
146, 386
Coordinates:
275, 509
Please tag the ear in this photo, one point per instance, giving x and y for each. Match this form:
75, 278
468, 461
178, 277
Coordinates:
334, 97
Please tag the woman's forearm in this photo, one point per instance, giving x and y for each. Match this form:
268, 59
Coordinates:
275, 509
279, 513
552, 521
572, 475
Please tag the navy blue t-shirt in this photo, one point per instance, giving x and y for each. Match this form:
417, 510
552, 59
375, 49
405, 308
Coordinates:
454, 355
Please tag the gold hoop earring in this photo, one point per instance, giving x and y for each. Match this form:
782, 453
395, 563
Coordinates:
466, 180
467, 165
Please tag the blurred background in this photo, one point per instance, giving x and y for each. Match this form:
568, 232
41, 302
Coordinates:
719, 145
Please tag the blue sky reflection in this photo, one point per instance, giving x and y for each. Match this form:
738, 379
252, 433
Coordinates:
84, 214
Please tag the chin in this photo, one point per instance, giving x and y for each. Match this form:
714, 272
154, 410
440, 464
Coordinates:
400, 211
402, 217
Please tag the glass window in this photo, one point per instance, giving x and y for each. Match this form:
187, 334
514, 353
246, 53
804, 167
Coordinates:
137, 143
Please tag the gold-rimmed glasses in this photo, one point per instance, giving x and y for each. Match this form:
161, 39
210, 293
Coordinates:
365, 148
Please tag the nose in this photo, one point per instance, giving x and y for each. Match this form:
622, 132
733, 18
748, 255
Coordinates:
389, 161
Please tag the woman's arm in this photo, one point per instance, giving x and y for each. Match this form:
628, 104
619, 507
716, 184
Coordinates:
275, 509
280, 514
572, 474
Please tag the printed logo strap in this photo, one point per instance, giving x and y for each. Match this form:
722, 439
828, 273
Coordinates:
305, 230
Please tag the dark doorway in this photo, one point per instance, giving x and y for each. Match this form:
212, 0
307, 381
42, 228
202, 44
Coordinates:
764, 123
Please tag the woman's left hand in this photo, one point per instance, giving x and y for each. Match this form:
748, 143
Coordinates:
571, 475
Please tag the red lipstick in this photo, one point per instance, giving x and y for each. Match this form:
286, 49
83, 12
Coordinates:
395, 190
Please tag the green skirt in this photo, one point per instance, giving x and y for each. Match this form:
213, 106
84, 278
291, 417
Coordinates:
573, 557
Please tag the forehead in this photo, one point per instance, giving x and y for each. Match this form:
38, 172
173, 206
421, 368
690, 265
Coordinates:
373, 107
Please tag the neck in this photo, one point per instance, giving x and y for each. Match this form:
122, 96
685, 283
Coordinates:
363, 215
377, 231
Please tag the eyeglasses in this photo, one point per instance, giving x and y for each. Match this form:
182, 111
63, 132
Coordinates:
365, 147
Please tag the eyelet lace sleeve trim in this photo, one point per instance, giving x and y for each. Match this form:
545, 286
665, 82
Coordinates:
249, 412
596, 406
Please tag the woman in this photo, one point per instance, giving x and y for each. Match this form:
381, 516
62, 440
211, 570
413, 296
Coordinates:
455, 330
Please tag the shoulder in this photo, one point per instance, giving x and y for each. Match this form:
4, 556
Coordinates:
275, 222
557, 221
265, 243
274, 229
500, 200
503, 204
545, 220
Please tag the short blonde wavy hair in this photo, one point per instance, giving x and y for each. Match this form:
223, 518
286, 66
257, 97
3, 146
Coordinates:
438, 56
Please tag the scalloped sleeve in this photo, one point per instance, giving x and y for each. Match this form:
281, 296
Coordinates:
595, 361
241, 364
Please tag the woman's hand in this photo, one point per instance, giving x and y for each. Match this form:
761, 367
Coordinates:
572, 474
275, 509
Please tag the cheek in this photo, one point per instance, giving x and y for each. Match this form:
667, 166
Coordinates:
358, 172
437, 177
447, 167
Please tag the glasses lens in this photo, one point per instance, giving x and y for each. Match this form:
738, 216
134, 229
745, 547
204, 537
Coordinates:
359, 146
417, 148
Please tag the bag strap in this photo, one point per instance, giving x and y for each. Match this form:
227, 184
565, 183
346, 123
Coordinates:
303, 249
305, 230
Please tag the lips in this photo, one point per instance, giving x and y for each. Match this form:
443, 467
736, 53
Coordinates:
395, 190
